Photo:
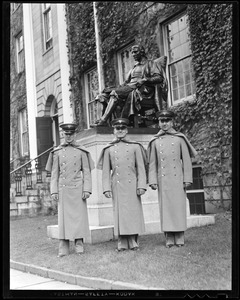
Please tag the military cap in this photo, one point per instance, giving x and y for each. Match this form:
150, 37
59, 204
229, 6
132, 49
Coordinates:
165, 114
120, 122
69, 127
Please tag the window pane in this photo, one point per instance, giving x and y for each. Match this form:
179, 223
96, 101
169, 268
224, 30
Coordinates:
186, 65
179, 67
24, 120
174, 82
173, 70
92, 90
175, 95
188, 90
187, 77
25, 143
182, 23
127, 62
185, 49
183, 36
174, 41
180, 80
181, 92
175, 54
93, 86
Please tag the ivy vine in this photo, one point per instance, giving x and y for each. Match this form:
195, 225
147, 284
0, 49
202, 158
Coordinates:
210, 30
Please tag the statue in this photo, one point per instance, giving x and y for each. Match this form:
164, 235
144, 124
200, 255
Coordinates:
144, 89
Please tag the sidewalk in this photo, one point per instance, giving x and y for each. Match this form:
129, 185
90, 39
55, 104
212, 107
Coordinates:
26, 281
37, 277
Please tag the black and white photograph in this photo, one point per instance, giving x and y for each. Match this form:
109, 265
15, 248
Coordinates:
123, 151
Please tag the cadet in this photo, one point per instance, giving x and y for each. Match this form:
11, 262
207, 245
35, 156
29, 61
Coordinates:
170, 170
123, 165
70, 165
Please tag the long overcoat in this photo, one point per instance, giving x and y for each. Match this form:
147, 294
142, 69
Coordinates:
70, 166
123, 165
170, 166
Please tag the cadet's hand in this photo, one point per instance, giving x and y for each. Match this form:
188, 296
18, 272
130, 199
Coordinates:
153, 186
140, 192
108, 194
186, 184
54, 197
85, 195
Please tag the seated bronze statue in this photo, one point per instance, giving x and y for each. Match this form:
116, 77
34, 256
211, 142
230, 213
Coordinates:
145, 89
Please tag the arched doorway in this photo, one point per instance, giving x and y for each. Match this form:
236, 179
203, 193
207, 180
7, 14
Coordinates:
47, 129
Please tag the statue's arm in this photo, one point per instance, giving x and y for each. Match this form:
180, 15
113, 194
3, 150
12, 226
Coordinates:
153, 73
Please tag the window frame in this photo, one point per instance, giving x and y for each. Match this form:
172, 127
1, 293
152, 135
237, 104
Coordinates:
87, 91
19, 52
190, 190
47, 27
191, 97
23, 131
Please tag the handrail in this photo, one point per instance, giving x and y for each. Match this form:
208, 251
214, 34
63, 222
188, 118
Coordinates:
30, 160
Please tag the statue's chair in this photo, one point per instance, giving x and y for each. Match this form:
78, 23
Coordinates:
146, 116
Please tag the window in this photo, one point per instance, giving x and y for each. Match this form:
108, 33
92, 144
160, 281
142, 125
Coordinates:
125, 62
23, 132
195, 192
20, 54
47, 25
180, 71
91, 91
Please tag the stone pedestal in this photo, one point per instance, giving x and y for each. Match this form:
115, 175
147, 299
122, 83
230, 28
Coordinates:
100, 209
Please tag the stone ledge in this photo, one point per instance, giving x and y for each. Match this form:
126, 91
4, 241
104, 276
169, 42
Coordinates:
200, 220
100, 234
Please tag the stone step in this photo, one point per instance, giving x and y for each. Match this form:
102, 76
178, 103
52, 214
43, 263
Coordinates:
100, 234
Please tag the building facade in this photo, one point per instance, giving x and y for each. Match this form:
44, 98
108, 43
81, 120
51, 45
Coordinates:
62, 55
39, 65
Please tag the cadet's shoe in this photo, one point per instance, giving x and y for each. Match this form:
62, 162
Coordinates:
120, 250
63, 249
179, 245
62, 254
79, 246
169, 245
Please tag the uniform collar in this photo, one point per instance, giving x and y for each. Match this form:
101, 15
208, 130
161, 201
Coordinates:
73, 144
170, 131
117, 140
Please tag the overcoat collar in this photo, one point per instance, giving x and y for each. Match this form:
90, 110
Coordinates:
61, 146
125, 140
172, 131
